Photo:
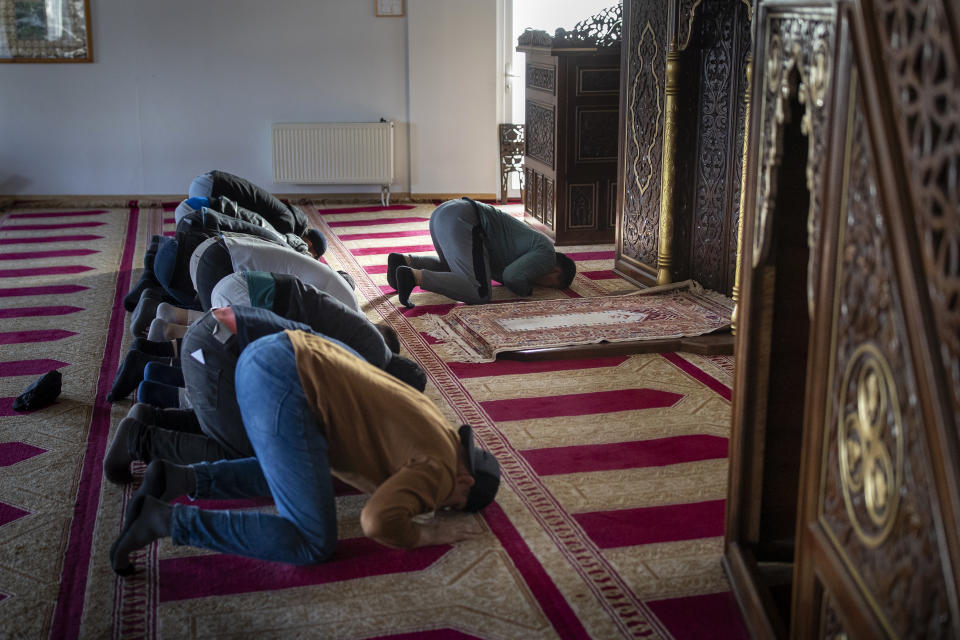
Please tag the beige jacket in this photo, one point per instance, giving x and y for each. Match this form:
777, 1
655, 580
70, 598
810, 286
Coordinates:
384, 437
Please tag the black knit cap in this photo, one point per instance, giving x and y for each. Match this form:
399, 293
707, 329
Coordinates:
317, 239
484, 468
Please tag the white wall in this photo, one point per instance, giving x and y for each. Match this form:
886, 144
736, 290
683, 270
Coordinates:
453, 95
182, 86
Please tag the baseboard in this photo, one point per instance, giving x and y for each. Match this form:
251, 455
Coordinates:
421, 197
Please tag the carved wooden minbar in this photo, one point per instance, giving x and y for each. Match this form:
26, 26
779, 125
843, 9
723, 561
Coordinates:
843, 516
682, 121
572, 96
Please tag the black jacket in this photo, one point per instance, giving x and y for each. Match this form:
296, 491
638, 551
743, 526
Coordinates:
284, 218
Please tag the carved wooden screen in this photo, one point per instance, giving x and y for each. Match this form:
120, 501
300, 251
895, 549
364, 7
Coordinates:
641, 137
572, 118
708, 211
683, 118
875, 85
879, 520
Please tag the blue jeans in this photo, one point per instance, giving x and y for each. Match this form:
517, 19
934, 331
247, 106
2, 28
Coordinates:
291, 466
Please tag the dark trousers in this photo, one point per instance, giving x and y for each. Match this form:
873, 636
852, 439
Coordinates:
214, 265
210, 387
209, 362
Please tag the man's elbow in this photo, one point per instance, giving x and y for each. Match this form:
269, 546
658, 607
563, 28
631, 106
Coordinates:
377, 529
372, 527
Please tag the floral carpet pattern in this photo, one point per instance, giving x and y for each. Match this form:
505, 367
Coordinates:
608, 523
479, 333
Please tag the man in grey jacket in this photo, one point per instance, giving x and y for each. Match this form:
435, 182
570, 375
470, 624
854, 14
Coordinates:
476, 243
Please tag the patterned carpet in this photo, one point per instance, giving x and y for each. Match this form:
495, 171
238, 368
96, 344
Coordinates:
608, 523
479, 333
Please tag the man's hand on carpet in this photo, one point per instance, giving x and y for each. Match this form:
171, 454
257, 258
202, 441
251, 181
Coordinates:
448, 530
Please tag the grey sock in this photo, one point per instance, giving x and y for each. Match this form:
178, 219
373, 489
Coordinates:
145, 312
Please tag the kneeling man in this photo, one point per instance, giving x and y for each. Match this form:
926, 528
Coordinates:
312, 410
476, 242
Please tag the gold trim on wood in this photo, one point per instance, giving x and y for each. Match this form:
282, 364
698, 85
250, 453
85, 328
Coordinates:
644, 64
832, 369
668, 175
735, 294
813, 83
867, 466
817, 83
690, 19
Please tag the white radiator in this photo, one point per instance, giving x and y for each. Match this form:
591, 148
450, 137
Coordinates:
334, 153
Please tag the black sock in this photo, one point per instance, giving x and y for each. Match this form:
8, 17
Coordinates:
130, 374
346, 276
121, 452
394, 260
145, 311
147, 519
164, 348
147, 281
405, 284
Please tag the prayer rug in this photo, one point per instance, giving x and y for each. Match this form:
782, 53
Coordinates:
608, 522
479, 333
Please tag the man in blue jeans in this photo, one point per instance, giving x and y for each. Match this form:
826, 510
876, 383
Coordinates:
211, 349
311, 410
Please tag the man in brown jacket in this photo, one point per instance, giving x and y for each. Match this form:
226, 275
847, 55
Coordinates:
312, 410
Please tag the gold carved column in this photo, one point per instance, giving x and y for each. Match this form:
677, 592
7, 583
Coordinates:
743, 187
668, 174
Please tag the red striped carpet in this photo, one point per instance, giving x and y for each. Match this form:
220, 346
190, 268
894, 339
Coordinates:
608, 523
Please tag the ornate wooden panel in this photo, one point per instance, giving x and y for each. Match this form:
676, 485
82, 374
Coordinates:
641, 108
549, 202
582, 205
529, 189
572, 125
540, 201
682, 125
799, 54
541, 123
877, 497
870, 90
542, 77
924, 76
722, 47
598, 81
830, 626
597, 134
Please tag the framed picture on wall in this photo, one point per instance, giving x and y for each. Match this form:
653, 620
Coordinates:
45, 31
389, 8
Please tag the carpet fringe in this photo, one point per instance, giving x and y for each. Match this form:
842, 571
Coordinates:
690, 285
